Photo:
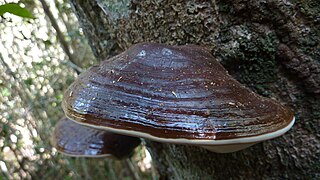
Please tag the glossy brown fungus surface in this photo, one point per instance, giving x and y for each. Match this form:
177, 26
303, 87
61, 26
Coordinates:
74, 139
171, 92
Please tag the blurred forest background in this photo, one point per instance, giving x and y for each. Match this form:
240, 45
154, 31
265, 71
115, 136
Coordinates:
42, 50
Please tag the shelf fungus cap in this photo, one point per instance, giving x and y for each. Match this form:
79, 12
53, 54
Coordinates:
73, 139
174, 94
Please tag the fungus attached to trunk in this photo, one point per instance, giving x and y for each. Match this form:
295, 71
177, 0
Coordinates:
73, 139
174, 94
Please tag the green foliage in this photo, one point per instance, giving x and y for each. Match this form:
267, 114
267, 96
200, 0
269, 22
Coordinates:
5, 92
16, 10
4, 130
28, 81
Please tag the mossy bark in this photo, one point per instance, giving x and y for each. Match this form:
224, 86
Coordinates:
271, 46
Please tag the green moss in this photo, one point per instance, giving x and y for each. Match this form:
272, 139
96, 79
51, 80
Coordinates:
252, 60
310, 8
258, 59
309, 43
225, 7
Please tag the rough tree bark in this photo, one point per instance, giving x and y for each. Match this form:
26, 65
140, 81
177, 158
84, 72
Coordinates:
271, 46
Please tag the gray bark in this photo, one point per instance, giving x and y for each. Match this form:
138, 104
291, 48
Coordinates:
271, 46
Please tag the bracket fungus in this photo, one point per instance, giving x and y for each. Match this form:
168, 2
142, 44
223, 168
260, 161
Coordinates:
174, 94
73, 139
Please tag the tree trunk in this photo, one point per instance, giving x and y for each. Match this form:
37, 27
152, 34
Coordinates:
271, 46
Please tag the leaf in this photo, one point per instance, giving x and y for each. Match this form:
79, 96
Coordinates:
28, 81
59, 97
16, 10
5, 92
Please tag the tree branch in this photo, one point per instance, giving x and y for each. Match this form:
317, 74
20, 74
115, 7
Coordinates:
73, 64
